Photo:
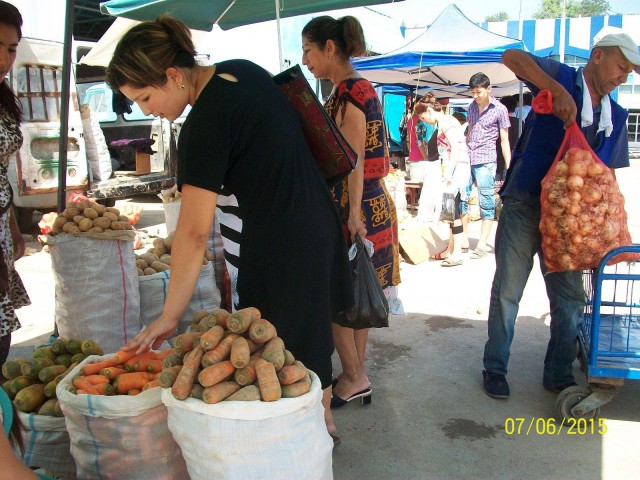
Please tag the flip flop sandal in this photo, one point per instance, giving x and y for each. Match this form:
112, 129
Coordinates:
478, 253
439, 256
451, 263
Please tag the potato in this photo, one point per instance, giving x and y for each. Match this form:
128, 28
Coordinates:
159, 266
169, 241
113, 210
140, 272
85, 225
110, 215
90, 213
117, 225
59, 222
149, 258
152, 251
72, 205
208, 254
102, 222
158, 242
127, 226
166, 258
160, 251
149, 271
98, 208
96, 230
69, 213
82, 204
123, 218
70, 227
78, 218
141, 263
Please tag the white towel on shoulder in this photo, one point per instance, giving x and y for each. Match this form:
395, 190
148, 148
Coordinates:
586, 115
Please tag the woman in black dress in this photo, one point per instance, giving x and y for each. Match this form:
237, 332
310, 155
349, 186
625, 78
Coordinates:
242, 138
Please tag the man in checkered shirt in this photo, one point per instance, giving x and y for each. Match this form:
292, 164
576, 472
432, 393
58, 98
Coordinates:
488, 120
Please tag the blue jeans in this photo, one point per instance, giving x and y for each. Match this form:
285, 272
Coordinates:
518, 239
484, 176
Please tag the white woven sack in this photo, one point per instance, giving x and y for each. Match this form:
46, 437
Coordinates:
96, 286
46, 444
286, 439
153, 291
98, 155
120, 436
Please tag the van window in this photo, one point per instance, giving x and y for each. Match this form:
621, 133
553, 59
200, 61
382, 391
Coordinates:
38, 89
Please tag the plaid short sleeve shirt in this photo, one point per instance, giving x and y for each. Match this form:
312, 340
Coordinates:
484, 130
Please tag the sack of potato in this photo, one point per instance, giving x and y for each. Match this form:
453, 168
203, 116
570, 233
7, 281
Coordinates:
96, 287
582, 209
232, 377
153, 276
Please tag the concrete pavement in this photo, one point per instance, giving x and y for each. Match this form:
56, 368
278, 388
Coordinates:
429, 417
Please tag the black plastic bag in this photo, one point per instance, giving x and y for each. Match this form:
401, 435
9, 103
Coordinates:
371, 307
447, 214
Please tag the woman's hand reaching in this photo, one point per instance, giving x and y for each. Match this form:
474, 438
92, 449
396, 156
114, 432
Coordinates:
356, 226
152, 336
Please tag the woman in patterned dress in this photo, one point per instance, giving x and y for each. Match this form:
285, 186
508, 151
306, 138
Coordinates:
365, 206
12, 293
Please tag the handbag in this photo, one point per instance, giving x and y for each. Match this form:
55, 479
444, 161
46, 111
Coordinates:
448, 211
334, 156
371, 306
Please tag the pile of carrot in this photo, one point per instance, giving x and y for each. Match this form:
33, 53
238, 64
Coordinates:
236, 356
125, 373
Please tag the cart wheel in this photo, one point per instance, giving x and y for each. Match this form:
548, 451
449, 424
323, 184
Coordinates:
569, 398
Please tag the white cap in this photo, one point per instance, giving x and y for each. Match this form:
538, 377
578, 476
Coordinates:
615, 37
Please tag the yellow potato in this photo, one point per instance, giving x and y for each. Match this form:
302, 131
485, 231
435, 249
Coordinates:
102, 222
113, 210
59, 222
149, 271
111, 216
90, 213
85, 225
71, 212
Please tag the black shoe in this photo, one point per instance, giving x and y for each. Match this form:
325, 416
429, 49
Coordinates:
561, 387
363, 395
495, 385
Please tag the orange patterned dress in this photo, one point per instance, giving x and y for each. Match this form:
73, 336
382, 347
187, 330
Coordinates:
378, 209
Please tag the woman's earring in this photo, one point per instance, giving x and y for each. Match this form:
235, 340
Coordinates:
181, 86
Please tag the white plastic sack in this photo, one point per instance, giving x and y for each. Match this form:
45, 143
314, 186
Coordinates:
46, 444
97, 151
171, 214
121, 436
153, 291
256, 440
96, 286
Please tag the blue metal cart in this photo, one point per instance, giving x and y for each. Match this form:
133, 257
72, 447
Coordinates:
609, 336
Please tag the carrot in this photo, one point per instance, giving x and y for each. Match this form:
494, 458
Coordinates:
93, 368
127, 381
261, 331
211, 338
292, 373
96, 379
221, 352
247, 375
81, 383
274, 352
196, 391
219, 392
240, 320
134, 391
130, 364
215, 373
151, 384
104, 389
270, 390
49, 373
172, 360
148, 365
184, 342
165, 353
199, 315
240, 352
296, 389
124, 355
221, 317
245, 394
289, 359
30, 398
253, 346
206, 322
112, 372
184, 381
167, 377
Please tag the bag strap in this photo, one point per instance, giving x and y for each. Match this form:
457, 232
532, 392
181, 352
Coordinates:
7, 412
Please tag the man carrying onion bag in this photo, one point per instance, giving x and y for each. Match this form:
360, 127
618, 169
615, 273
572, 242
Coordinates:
578, 96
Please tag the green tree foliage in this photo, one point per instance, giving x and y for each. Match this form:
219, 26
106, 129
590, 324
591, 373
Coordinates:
574, 8
501, 16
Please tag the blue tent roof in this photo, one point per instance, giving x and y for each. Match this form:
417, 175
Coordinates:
443, 57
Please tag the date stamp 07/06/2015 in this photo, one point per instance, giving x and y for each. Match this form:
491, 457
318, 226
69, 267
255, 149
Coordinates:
551, 426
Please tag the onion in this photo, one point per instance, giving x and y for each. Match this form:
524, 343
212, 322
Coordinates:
598, 219
574, 196
576, 239
574, 154
573, 208
567, 224
591, 194
562, 169
595, 169
556, 210
575, 182
578, 168
603, 207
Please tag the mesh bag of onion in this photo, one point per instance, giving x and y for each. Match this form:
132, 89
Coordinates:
582, 215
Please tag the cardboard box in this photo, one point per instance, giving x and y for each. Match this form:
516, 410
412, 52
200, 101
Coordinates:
419, 241
143, 163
